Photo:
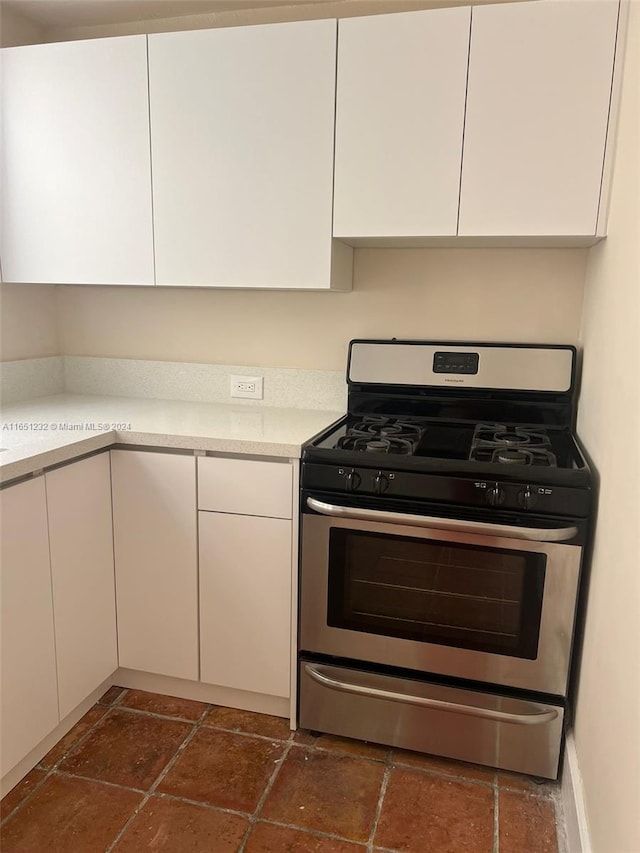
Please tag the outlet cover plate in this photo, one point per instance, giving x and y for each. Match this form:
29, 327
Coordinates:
248, 387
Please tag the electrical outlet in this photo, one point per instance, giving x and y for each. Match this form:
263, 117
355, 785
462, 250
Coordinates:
247, 386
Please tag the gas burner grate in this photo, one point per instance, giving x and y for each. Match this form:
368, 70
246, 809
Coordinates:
382, 435
511, 445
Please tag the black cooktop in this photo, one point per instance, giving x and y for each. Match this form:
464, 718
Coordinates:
510, 445
492, 451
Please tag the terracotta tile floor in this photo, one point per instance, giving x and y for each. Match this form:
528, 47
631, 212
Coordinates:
143, 772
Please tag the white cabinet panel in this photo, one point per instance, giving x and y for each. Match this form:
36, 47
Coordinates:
242, 140
536, 122
245, 602
81, 543
155, 536
399, 122
76, 173
246, 487
29, 694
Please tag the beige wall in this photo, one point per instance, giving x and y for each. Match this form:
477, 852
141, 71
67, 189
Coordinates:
477, 294
28, 321
607, 726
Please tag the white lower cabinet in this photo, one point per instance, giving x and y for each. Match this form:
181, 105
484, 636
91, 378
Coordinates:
29, 688
155, 543
245, 602
227, 624
81, 547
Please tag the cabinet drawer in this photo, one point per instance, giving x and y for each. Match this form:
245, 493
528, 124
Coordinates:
245, 487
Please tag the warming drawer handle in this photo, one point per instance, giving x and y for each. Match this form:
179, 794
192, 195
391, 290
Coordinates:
539, 714
533, 534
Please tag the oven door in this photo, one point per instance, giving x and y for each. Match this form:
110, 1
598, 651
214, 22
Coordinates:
466, 599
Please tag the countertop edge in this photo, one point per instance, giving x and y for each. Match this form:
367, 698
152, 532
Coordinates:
52, 449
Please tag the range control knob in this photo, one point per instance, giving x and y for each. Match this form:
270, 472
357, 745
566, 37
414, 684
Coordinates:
495, 496
353, 480
527, 499
380, 483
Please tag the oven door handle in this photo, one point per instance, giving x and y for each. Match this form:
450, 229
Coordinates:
534, 714
481, 528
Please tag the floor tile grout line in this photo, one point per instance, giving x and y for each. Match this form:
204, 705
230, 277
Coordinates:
119, 698
267, 790
496, 818
385, 850
154, 714
383, 790
65, 775
443, 775
162, 795
334, 751
170, 764
319, 833
254, 735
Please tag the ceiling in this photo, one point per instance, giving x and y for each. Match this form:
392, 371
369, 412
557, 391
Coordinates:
59, 15
89, 13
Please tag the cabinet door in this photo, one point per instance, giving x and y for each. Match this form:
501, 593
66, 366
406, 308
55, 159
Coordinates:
245, 602
242, 140
81, 544
537, 111
399, 120
154, 527
76, 173
29, 690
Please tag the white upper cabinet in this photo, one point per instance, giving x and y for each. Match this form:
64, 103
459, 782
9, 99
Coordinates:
540, 76
399, 123
242, 123
76, 175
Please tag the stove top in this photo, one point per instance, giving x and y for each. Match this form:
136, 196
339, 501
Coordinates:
496, 443
378, 434
489, 424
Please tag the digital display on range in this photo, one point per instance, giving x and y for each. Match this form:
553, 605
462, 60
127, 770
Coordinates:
456, 362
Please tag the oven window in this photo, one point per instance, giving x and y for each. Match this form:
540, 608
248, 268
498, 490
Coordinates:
486, 599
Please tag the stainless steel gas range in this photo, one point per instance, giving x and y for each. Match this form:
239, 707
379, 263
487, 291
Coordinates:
442, 533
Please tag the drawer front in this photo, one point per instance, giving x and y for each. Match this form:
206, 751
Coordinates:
511, 734
245, 487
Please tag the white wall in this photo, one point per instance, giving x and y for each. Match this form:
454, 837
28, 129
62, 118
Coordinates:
607, 724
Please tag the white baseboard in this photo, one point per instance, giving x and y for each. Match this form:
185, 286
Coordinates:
277, 706
572, 793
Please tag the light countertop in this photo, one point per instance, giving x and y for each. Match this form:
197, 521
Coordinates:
45, 431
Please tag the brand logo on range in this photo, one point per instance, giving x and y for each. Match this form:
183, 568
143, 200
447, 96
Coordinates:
457, 381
